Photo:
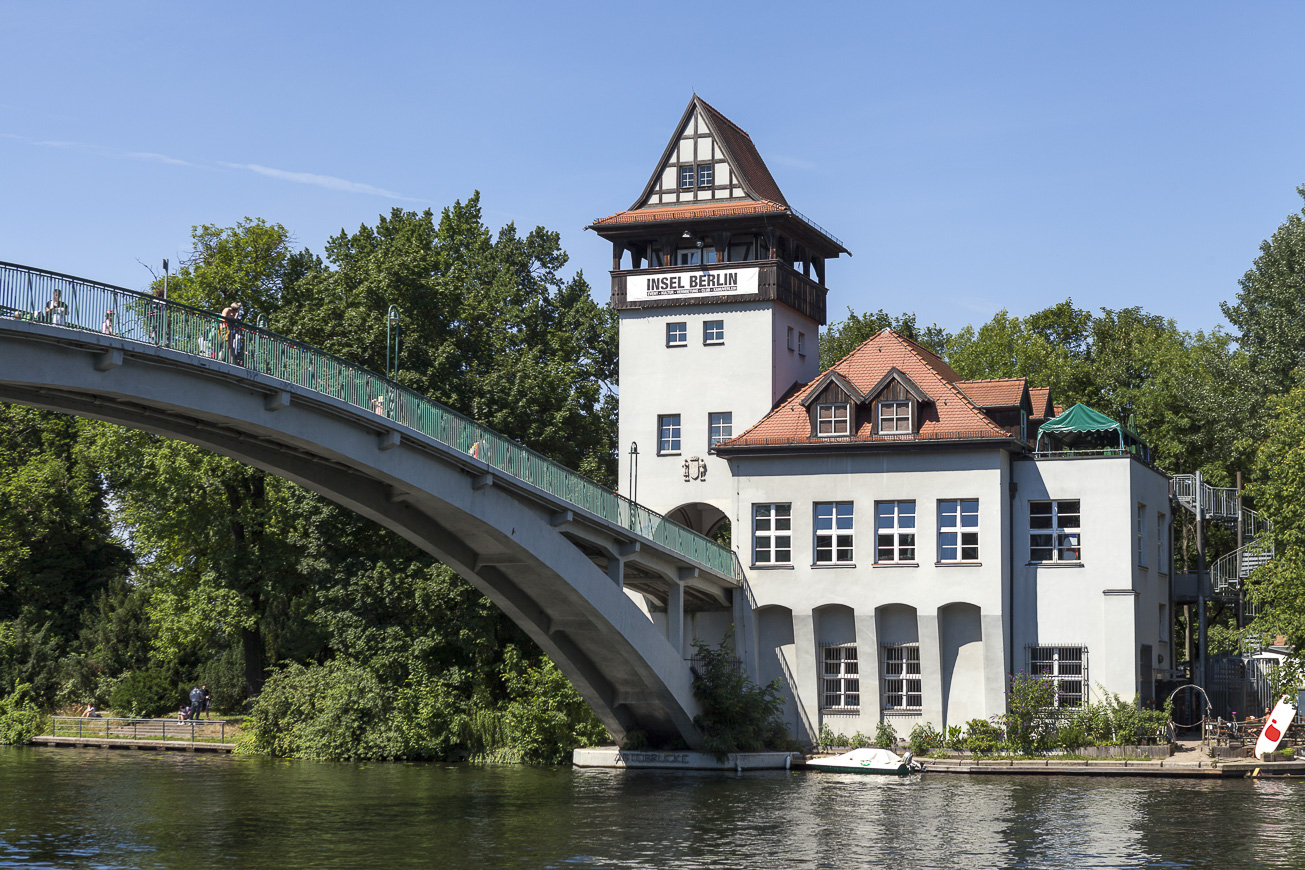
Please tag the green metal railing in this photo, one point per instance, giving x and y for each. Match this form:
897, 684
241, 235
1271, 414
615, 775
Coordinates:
77, 304
113, 728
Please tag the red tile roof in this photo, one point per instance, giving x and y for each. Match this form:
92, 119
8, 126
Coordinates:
691, 211
994, 392
950, 416
1041, 398
756, 176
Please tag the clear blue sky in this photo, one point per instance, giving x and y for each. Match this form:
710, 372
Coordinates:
973, 156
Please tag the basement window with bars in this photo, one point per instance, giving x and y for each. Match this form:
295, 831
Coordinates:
902, 685
1064, 666
841, 680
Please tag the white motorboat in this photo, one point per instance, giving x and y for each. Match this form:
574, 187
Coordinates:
869, 760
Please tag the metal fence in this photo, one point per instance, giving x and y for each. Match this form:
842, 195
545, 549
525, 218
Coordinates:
80, 305
112, 728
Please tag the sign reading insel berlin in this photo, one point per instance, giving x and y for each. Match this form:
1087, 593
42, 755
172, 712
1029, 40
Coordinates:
699, 282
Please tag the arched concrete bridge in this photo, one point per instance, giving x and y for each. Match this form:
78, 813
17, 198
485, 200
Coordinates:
554, 550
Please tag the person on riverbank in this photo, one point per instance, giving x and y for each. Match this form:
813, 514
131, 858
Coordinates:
90, 712
196, 699
204, 703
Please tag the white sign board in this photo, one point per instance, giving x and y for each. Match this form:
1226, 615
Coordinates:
697, 282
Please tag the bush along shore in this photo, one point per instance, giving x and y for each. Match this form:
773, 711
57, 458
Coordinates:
1031, 727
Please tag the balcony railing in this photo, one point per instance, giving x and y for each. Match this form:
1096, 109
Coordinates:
87, 306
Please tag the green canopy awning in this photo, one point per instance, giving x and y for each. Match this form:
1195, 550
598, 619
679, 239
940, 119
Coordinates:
1080, 427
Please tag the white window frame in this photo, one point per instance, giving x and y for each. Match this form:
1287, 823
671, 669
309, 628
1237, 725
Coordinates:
790, 338
713, 332
691, 173
903, 687
829, 415
840, 678
895, 533
834, 533
1064, 542
958, 530
894, 423
677, 333
769, 547
706, 173
802, 344
1065, 665
669, 434
720, 427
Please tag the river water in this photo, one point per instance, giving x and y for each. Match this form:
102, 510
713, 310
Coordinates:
92, 809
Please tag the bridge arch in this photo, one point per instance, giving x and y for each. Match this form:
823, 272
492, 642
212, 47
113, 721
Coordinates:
457, 497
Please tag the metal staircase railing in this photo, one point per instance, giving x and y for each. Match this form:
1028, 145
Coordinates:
1223, 505
1219, 503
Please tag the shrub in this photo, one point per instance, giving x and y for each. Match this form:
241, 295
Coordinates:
924, 739
955, 737
1071, 736
20, 721
1028, 700
144, 694
737, 714
885, 736
982, 736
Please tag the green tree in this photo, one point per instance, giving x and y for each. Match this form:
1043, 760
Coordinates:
250, 263
1279, 492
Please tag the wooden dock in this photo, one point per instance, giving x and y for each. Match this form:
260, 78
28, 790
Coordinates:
147, 744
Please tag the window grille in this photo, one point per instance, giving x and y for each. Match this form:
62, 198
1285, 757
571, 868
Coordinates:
1066, 667
841, 679
902, 684
668, 434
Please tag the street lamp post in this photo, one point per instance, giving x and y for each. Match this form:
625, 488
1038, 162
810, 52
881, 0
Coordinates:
392, 340
634, 472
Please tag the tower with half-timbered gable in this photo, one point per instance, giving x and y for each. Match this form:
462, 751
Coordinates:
720, 289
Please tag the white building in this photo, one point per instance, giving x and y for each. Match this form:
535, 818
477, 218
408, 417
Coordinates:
906, 547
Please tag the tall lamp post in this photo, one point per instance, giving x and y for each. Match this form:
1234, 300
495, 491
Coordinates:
392, 341
634, 471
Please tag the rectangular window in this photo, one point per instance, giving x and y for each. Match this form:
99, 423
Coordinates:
894, 417
720, 426
895, 531
713, 332
834, 532
790, 338
772, 534
958, 530
689, 257
686, 176
901, 669
704, 175
668, 433
802, 344
677, 334
1141, 535
1160, 543
841, 678
1066, 666
1054, 531
832, 419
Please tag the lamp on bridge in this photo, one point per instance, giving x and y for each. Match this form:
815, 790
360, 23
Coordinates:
392, 340
634, 471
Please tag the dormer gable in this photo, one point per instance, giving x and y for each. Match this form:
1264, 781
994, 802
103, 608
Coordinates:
832, 404
896, 404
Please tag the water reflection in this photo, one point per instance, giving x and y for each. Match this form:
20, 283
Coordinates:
84, 809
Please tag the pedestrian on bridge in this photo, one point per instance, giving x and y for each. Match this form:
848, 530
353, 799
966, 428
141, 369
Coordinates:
107, 326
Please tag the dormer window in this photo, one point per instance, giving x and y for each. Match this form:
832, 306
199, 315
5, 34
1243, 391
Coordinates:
833, 419
894, 418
